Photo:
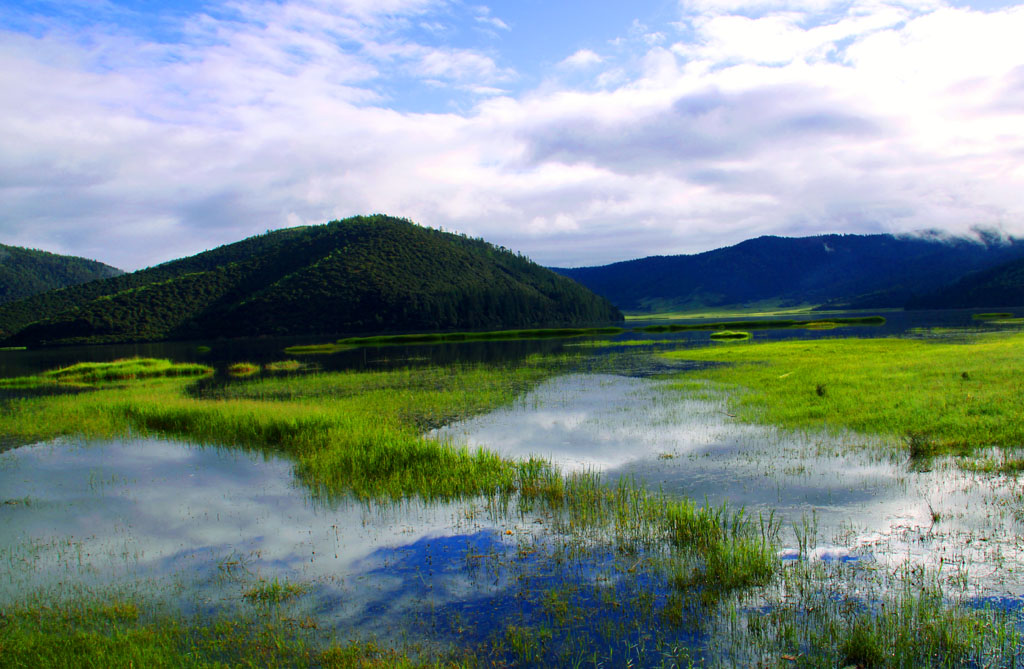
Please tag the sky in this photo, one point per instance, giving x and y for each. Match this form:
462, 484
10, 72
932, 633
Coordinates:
578, 133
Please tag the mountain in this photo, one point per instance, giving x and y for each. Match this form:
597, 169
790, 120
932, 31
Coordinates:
359, 275
835, 271
1000, 286
28, 272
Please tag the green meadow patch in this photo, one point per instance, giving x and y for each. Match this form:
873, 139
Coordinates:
935, 395
92, 373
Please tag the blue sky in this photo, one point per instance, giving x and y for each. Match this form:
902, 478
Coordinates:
577, 132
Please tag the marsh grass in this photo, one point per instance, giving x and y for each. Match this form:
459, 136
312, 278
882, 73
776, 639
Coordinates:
285, 366
494, 335
92, 634
771, 323
730, 335
275, 591
93, 373
962, 395
243, 369
447, 337
909, 624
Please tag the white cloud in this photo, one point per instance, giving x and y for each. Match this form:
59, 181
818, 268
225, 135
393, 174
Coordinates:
582, 58
795, 118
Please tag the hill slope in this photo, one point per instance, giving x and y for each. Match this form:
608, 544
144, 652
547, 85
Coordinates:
1000, 286
360, 275
28, 272
853, 271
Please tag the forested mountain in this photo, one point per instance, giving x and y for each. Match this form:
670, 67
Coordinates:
27, 272
837, 271
1000, 286
359, 275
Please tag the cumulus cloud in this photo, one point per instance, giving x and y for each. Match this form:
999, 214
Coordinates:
582, 58
744, 118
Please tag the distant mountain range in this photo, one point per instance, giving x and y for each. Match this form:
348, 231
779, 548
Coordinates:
360, 275
27, 272
833, 271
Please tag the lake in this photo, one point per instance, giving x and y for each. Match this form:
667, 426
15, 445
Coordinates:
196, 526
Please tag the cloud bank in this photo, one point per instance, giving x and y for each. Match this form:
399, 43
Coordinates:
135, 140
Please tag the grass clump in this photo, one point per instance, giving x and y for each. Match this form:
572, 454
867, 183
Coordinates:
730, 335
285, 366
243, 369
893, 387
992, 316
275, 592
125, 369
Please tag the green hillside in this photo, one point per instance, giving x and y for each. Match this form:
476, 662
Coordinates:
28, 272
361, 275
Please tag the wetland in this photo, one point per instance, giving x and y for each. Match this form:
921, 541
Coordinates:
806, 497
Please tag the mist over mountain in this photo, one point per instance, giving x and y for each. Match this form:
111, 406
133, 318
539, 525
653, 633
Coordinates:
27, 272
360, 275
832, 271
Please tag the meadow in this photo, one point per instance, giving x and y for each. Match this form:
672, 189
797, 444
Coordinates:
622, 573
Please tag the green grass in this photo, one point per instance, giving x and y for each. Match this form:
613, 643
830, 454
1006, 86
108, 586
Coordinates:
285, 366
936, 395
350, 433
772, 323
275, 592
756, 312
91, 634
447, 337
730, 335
243, 369
992, 316
93, 373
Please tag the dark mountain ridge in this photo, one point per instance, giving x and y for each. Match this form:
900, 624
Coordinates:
999, 286
362, 275
834, 271
27, 272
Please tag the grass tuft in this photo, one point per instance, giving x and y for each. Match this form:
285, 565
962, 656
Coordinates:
730, 335
243, 369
